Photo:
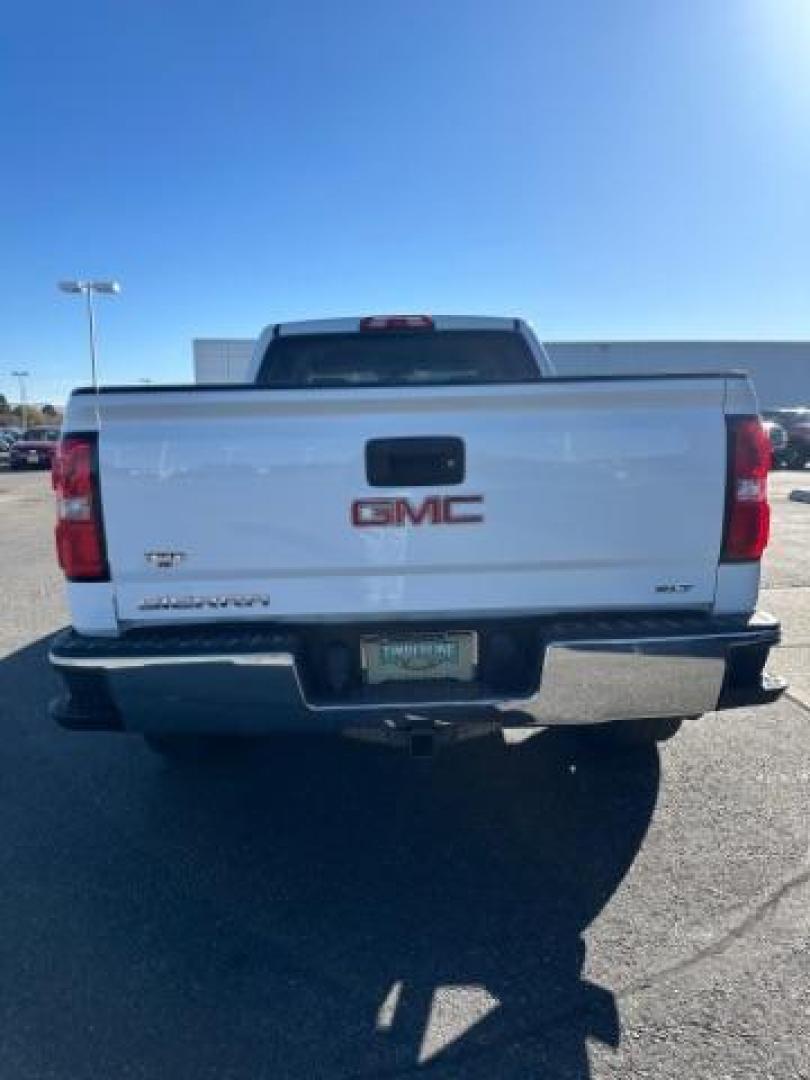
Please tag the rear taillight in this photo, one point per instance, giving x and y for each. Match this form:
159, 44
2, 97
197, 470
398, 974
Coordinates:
79, 532
748, 515
397, 322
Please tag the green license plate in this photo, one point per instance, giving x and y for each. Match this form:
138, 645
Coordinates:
428, 656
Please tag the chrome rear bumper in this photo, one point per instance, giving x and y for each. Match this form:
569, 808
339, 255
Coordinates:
253, 682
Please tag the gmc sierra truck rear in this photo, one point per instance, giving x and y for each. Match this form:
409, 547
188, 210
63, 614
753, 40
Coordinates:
412, 529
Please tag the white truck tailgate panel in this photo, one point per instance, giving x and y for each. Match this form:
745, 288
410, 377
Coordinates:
597, 495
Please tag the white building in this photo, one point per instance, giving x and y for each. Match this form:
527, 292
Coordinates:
221, 360
780, 369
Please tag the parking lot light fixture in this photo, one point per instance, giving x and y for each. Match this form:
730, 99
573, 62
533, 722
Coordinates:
106, 288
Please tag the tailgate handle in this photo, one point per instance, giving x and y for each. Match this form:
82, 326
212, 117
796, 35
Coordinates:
422, 461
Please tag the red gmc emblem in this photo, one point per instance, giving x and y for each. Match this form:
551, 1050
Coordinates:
434, 510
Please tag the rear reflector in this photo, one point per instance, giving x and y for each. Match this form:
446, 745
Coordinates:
397, 322
748, 515
80, 543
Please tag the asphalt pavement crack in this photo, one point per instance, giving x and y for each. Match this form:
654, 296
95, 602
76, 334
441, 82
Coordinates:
723, 943
802, 704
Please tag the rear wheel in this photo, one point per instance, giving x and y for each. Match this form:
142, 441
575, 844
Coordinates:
634, 731
192, 749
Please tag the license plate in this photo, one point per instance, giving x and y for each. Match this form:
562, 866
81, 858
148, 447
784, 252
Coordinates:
420, 657
33, 457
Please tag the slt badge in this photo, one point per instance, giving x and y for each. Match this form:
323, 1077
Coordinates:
165, 560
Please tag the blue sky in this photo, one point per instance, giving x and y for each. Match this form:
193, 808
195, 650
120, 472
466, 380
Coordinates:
633, 168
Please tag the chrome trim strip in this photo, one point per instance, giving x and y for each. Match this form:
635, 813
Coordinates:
727, 637
124, 663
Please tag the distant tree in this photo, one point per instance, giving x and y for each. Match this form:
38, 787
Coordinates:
49, 410
3, 403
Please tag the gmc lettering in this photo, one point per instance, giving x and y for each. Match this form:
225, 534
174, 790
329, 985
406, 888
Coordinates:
434, 510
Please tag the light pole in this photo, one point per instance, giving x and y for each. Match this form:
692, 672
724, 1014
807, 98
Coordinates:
107, 288
22, 376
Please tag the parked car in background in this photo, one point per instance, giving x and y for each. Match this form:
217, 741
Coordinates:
5, 448
796, 423
778, 438
35, 449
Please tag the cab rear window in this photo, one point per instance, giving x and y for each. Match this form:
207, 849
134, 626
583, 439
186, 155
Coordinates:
398, 358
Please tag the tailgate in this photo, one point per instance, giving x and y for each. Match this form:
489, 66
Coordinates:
578, 495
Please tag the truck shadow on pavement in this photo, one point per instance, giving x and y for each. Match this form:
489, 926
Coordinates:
308, 907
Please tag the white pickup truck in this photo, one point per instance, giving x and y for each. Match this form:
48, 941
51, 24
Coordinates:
411, 529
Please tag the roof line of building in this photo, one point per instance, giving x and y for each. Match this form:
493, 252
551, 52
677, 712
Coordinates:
606, 341
677, 341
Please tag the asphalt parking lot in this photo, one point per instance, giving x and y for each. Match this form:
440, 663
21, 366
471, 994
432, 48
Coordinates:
326, 909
